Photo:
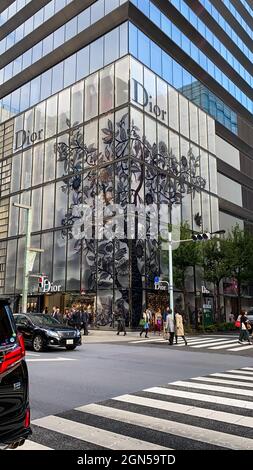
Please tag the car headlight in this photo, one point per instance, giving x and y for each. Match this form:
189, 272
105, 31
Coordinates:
54, 334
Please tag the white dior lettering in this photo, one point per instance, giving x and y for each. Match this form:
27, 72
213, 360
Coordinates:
26, 138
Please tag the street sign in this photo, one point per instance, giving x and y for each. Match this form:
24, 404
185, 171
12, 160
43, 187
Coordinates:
157, 280
162, 285
31, 255
159, 286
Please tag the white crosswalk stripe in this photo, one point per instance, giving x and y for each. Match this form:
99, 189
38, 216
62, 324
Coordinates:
94, 435
212, 342
211, 412
233, 376
30, 445
241, 348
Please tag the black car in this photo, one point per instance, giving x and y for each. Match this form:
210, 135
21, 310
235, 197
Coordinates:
14, 398
40, 331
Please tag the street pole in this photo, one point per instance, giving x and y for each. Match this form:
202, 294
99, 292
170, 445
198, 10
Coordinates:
28, 227
171, 293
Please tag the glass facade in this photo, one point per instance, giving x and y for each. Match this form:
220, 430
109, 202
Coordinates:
174, 33
227, 28
10, 11
97, 54
63, 34
101, 139
31, 24
126, 38
145, 50
213, 40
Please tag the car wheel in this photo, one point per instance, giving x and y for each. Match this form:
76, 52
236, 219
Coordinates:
71, 348
38, 345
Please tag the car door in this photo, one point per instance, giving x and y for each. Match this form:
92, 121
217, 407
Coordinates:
25, 326
14, 405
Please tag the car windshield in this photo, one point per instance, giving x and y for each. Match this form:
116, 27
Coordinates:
43, 320
7, 327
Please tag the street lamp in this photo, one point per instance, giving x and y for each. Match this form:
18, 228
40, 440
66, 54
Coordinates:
29, 253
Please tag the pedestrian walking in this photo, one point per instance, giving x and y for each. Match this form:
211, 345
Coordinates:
164, 316
244, 327
56, 314
179, 327
146, 323
158, 321
170, 326
76, 320
121, 323
66, 316
85, 320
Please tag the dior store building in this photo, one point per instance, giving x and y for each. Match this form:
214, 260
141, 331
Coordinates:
122, 136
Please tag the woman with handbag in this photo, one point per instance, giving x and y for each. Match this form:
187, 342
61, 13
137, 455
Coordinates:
144, 323
180, 327
244, 324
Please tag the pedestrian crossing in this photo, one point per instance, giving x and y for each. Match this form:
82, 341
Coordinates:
212, 343
202, 413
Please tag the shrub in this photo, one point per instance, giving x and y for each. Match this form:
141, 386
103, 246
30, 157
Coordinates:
211, 328
225, 326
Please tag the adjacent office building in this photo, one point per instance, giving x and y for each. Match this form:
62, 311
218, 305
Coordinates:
142, 103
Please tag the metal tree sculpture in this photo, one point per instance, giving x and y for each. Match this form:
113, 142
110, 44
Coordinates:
90, 172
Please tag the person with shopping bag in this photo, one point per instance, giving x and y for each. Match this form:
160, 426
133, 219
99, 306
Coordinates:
244, 327
145, 323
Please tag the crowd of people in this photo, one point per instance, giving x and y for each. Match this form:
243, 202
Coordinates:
78, 316
152, 322
158, 322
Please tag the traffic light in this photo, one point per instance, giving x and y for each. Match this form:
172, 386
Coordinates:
199, 237
41, 283
44, 284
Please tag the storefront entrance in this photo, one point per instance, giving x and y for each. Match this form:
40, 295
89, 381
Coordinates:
157, 300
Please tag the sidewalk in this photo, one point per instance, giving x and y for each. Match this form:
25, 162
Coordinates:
105, 336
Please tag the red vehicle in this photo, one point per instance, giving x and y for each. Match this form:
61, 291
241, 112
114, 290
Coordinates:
14, 391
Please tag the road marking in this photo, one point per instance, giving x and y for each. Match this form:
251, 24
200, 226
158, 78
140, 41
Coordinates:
241, 348
223, 346
234, 371
234, 376
97, 436
201, 397
141, 340
209, 436
213, 342
191, 410
56, 359
31, 445
203, 342
223, 381
214, 388
162, 340
31, 354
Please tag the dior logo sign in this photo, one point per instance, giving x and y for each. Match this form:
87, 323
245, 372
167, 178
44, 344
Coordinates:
25, 138
141, 96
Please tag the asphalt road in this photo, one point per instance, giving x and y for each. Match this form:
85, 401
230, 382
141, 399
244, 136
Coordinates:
62, 380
